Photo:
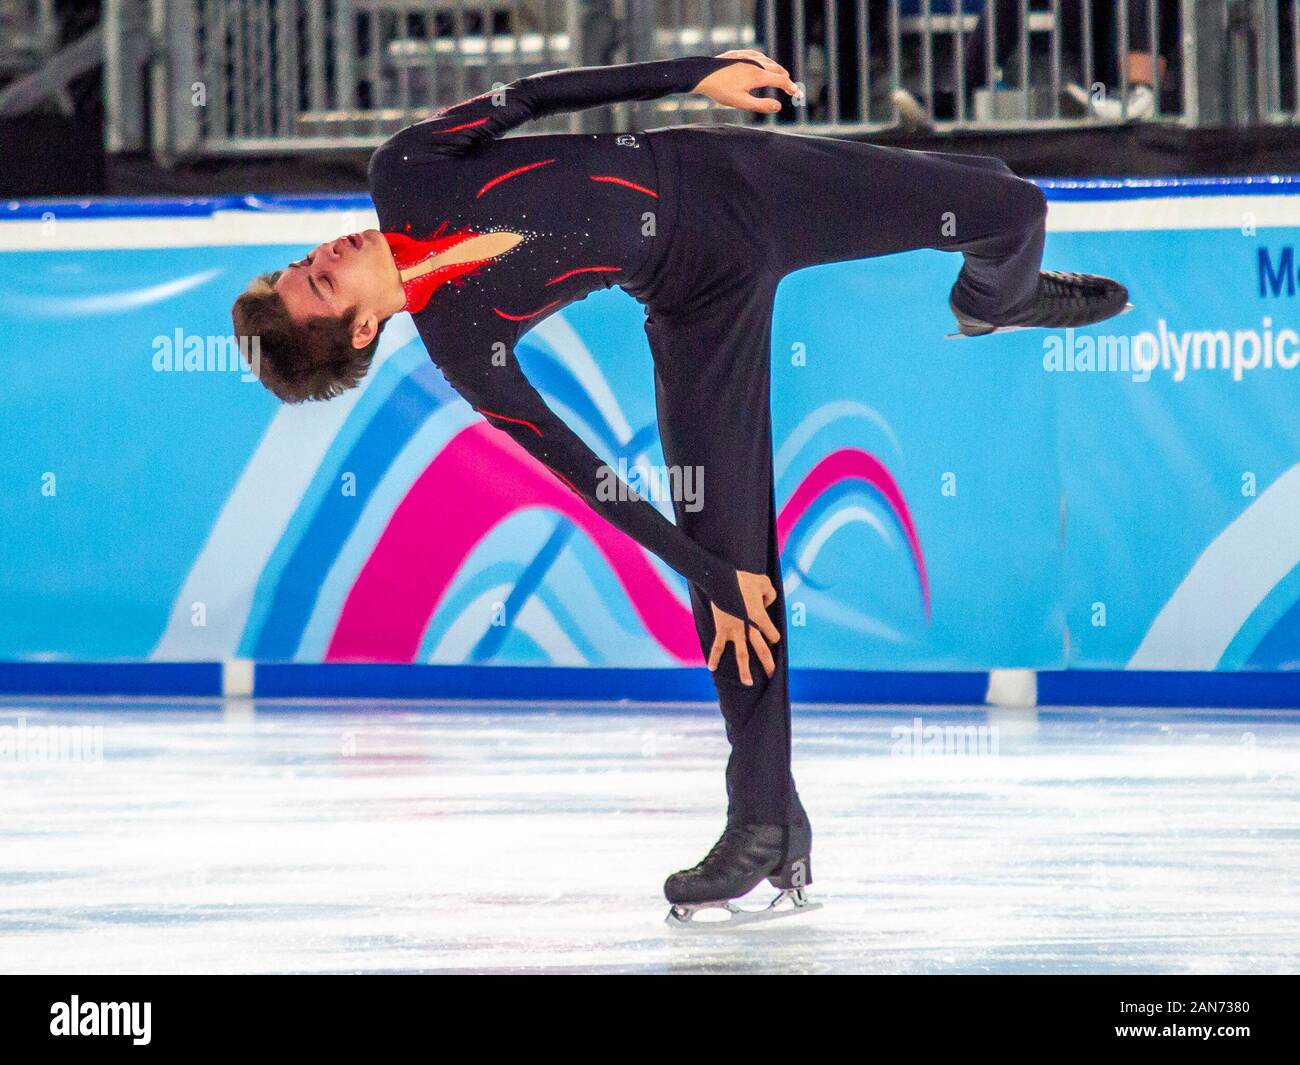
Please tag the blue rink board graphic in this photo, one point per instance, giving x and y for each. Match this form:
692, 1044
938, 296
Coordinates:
1033, 511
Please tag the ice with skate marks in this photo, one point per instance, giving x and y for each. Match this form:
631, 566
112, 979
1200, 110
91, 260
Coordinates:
1019, 328
725, 914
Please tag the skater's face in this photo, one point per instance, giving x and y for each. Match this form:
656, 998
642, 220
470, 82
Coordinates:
352, 273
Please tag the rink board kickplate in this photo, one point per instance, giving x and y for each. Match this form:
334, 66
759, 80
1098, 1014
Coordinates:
1017, 328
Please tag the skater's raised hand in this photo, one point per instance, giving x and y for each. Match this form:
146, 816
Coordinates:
757, 592
733, 85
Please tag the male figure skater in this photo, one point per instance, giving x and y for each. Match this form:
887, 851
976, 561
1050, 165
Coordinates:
482, 237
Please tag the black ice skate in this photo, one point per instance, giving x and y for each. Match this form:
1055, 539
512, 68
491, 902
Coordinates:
739, 862
1064, 301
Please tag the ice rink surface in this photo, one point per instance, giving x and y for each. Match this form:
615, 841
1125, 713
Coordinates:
310, 837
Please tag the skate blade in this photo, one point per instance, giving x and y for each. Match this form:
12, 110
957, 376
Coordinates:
991, 332
682, 917
1017, 328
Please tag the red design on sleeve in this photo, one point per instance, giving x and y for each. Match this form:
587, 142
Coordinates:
507, 418
524, 317
463, 125
572, 487
521, 421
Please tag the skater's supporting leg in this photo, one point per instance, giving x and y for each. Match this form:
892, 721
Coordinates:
712, 375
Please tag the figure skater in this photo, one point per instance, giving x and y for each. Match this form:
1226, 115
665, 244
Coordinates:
482, 237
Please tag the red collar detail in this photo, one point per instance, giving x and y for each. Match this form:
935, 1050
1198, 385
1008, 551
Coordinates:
408, 252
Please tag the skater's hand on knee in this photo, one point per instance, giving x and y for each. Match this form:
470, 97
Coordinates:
757, 592
732, 86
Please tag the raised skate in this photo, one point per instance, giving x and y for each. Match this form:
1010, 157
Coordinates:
1063, 301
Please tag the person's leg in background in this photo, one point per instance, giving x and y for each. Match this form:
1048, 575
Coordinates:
781, 45
1141, 62
782, 49
846, 105
985, 49
1150, 50
1000, 20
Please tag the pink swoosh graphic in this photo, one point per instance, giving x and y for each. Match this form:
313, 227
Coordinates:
438, 525
849, 464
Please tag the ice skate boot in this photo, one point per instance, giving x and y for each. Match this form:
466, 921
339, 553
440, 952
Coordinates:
744, 857
1063, 301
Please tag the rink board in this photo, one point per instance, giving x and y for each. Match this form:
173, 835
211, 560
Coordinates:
946, 509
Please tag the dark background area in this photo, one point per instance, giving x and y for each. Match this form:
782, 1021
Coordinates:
46, 153
1138, 150
51, 154
56, 156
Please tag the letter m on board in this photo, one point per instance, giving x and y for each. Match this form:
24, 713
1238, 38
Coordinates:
1274, 279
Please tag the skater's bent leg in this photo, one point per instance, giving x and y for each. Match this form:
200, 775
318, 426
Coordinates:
862, 200
711, 376
826, 200
999, 278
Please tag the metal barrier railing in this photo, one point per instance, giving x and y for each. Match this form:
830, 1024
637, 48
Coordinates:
288, 75
951, 64
1276, 28
29, 34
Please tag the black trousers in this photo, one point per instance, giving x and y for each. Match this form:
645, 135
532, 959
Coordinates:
742, 208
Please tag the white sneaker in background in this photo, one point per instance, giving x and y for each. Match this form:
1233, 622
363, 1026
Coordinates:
1140, 105
911, 112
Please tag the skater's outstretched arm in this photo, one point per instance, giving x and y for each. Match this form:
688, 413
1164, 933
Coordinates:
729, 79
499, 390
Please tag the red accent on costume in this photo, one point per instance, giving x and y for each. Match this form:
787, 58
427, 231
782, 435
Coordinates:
459, 103
507, 418
509, 174
583, 270
520, 421
623, 181
408, 252
572, 487
463, 125
524, 317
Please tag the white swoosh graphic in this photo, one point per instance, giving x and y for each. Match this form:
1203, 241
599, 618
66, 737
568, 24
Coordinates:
833, 524
107, 302
822, 417
534, 619
572, 351
255, 516
1227, 583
